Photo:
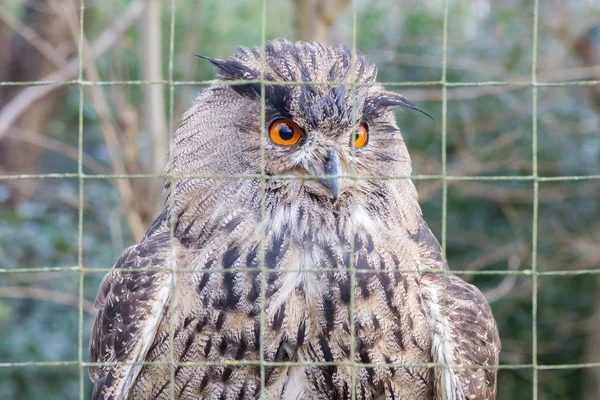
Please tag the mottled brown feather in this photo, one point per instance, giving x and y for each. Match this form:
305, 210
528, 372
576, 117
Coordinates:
211, 312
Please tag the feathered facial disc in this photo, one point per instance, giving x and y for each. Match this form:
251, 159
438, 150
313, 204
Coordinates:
324, 117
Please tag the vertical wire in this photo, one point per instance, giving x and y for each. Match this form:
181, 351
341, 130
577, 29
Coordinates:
262, 189
173, 259
444, 170
81, 201
444, 127
534, 233
352, 246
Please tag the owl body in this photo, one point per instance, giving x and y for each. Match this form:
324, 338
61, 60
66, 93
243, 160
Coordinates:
242, 283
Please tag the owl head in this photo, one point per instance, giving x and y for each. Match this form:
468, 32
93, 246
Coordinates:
318, 126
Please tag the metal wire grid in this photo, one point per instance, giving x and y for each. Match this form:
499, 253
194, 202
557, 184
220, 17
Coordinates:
534, 178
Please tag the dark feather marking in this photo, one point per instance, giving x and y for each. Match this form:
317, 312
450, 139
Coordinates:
203, 382
390, 390
281, 354
279, 316
346, 260
162, 389
188, 344
220, 320
417, 345
490, 377
345, 327
241, 350
254, 311
301, 333
242, 393
375, 321
231, 225
252, 258
329, 311
185, 385
389, 361
330, 256
358, 243
345, 394
257, 335
203, 282
158, 222
275, 251
344, 291
399, 338
187, 321
364, 359
230, 256
370, 245
223, 346
157, 342
386, 283
269, 375
276, 96
201, 324
207, 347
363, 285
345, 348
420, 375
227, 374
425, 236
327, 371
254, 292
271, 288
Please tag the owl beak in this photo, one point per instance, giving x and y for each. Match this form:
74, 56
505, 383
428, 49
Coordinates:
333, 168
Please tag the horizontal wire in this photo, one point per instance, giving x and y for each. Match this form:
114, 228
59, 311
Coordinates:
304, 177
296, 364
209, 82
524, 272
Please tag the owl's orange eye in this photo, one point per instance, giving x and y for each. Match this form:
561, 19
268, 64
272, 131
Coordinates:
285, 132
361, 135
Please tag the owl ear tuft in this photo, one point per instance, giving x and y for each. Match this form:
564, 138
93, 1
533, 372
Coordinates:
231, 70
388, 100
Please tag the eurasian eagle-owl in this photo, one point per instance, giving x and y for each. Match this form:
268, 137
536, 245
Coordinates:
303, 260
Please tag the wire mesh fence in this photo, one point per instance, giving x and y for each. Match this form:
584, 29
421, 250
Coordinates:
534, 179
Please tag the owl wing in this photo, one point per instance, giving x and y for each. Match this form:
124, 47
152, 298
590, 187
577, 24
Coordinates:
130, 307
464, 334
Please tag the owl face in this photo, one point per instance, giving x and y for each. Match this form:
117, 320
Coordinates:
320, 125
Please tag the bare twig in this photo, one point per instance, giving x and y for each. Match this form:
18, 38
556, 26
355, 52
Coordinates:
58, 147
154, 99
507, 283
37, 293
109, 131
20, 103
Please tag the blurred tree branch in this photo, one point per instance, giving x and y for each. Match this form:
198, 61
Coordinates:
57, 146
109, 129
20, 103
154, 99
38, 293
187, 61
313, 19
33, 38
28, 50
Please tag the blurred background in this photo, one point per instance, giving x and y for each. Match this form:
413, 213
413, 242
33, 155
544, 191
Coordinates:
127, 128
